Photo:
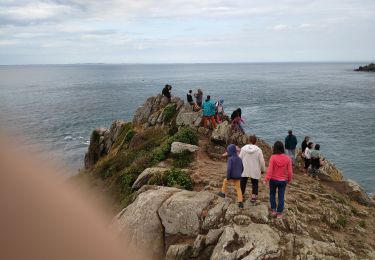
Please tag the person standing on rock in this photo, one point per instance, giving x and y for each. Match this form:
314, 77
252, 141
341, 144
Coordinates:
307, 156
219, 106
209, 112
199, 97
167, 91
316, 161
290, 146
279, 174
234, 171
254, 166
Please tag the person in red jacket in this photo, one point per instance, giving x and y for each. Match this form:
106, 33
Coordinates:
279, 174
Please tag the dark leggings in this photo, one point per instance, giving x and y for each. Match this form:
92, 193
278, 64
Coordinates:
254, 184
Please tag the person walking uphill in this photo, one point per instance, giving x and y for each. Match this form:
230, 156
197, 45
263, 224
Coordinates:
279, 174
209, 112
254, 166
234, 171
290, 145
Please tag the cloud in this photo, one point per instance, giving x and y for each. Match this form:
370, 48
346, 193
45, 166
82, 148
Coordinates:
280, 27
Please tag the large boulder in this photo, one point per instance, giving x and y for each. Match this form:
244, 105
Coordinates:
181, 213
221, 133
178, 147
354, 191
140, 222
187, 117
254, 241
146, 175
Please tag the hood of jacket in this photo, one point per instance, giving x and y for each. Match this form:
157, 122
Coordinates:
232, 151
281, 160
250, 148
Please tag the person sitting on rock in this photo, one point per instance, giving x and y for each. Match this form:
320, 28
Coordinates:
167, 91
254, 166
237, 120
219, 110
209, 112
234, 171
279, 174
316, 161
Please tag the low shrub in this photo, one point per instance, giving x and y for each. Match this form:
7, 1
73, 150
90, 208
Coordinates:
186, 135
158, 178
183, 159
169, 112
177, 178
342, 221
160, 153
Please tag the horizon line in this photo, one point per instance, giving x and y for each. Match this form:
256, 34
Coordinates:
181, 63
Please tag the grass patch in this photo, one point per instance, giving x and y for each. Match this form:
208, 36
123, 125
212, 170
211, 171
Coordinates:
183, 159
122, 137
342, 221
362, 224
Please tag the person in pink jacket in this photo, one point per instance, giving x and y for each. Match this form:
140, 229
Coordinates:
279, 174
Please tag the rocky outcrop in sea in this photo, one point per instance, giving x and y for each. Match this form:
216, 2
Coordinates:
164, 170
368, 68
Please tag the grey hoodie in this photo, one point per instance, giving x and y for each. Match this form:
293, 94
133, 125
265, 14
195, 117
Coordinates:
253, 161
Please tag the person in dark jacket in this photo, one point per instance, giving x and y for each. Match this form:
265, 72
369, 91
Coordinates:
234, 172
290, 146
167, 91
199, 97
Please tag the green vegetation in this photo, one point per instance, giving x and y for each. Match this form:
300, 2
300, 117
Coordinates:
342, 221
137, 151
169, 112
362, 224
178, 178
186, 135
183, 159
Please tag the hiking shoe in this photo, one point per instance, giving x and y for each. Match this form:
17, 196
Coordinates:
279, 215
253, 199
221, 194
273, 213
240, 205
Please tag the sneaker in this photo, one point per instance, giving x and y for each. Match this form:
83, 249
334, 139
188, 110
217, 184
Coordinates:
240, 205
273, 213
279, 215
221, 194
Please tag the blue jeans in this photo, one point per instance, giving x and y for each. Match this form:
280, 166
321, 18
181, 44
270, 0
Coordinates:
292, 154
280, 186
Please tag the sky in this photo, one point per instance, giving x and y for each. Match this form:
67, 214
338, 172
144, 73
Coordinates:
186, 31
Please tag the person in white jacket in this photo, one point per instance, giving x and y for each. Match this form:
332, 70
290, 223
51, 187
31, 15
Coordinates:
254, 166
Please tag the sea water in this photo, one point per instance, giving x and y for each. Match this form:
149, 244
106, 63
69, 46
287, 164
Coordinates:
57, 106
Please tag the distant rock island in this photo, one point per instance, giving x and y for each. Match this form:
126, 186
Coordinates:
370, 67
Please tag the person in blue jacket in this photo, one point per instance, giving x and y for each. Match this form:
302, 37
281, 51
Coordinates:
209, 112
234, 172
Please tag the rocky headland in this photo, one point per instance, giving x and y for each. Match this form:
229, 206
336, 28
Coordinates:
163, 171
370, 67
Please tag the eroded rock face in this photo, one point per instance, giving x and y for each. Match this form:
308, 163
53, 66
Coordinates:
181, 213
254, 241
140, 222
329, 172
221, 133
178, 147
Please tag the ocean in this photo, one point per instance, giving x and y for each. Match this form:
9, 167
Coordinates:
57, 106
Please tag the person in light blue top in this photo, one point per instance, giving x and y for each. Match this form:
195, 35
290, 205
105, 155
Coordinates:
209, 112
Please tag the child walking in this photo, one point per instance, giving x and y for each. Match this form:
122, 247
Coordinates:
279, 174
234, 171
